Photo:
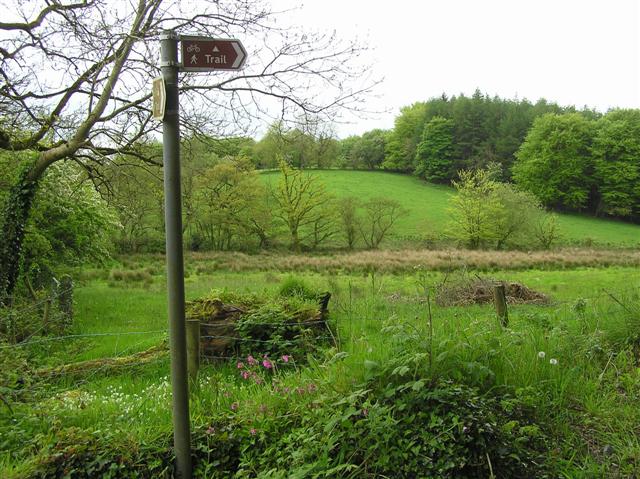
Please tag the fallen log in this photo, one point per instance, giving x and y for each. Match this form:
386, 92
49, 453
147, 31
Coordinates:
105, 364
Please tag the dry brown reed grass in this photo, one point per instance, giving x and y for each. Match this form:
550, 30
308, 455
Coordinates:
397, 261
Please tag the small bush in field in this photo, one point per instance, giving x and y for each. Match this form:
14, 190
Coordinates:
293, 286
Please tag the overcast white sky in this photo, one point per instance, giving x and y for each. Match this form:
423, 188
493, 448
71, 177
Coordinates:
574, 52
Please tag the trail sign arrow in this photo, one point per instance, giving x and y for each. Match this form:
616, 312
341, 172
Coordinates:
202, 54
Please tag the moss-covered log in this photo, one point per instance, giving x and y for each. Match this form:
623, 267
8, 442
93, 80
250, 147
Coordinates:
104, 364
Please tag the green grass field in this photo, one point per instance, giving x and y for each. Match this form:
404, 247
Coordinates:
570, 409
427, 207
585, 403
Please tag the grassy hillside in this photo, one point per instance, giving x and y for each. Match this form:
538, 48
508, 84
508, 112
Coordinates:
427, 207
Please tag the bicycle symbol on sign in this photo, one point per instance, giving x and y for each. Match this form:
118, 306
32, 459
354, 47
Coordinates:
193, 48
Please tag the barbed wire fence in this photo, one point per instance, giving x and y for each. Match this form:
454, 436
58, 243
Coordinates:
51, 312
134, 355
72, 375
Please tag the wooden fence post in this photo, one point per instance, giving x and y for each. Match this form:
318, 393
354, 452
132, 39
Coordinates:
500, 300
65, 299
53, 292
193, 347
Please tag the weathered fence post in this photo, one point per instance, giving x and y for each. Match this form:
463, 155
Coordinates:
53, 293
500, 300
65, 299
193, 347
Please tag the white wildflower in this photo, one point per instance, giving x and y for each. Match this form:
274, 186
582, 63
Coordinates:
553, 361
542, 354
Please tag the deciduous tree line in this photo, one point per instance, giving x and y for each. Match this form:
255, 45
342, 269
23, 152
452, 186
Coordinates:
577, 163
228, 206
569, 159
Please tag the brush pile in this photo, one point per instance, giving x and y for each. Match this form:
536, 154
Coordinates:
233, 325
466, 291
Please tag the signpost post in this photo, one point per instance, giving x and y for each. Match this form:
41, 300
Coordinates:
198, 54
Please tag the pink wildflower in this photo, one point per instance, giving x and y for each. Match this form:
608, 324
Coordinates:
267, 364
234, 406
245, 374
240, 365
211, 430
253, 431
251, 360
285, 358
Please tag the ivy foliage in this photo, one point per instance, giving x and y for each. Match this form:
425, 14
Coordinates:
16, 208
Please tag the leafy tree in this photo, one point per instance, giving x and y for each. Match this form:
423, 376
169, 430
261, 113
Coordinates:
135, 193
487, 213
325, 224
555, 161
270, 147
345, 156
301, 149
378, 218
301, 199
404, 138
474, 209
519, 214
368, 150
434, 155
545, 230
348, 210
70, 224
616, 154
327, 151
76, 79
228, 198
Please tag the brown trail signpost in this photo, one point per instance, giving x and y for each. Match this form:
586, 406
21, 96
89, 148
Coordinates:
198, 54
206, 54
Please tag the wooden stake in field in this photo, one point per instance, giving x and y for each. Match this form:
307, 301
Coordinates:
500, 300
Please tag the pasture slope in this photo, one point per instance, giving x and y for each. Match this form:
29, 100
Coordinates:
427, 204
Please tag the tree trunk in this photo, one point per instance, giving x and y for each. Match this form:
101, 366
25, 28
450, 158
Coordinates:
15, 217
295, 241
